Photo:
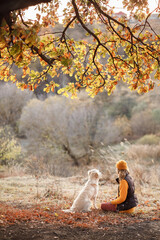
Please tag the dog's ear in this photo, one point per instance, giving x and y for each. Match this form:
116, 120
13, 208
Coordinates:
96, 175
89, 172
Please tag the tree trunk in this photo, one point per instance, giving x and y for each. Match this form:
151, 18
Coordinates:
11, 5
76, 163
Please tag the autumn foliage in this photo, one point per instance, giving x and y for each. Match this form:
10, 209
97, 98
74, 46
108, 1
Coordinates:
113, 50
54, 215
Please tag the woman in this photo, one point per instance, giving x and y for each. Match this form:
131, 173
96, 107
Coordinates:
126, 200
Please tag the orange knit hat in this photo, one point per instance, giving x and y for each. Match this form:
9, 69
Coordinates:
121, 165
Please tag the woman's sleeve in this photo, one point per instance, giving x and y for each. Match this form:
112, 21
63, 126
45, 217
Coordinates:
123, 192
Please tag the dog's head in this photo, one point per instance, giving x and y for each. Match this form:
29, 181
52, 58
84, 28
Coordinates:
94, 174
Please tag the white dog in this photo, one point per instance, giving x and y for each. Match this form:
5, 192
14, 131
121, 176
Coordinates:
89, 192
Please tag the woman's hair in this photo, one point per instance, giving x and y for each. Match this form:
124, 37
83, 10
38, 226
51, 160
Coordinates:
122, 173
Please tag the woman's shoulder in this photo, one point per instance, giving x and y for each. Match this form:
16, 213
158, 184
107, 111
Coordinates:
124, 182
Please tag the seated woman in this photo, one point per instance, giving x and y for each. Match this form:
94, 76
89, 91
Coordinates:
126, 200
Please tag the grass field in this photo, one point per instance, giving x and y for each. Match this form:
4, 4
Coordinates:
31, 208
46, 191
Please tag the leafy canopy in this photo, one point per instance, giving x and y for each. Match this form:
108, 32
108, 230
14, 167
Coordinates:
113, 49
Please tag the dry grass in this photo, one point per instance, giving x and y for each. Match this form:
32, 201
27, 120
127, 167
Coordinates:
47, 191
20, 189
144, 152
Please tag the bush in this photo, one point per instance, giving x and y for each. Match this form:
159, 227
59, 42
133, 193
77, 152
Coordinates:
111, 131
59, 166
149, 139
142, 123
12, 100
156, 117
141, 106
122, 107
124, 126
144, 152
106, 131
10, 150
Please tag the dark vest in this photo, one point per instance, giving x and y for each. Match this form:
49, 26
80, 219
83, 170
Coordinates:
131, 199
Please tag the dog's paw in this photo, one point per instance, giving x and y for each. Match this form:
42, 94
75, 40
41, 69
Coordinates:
67, 210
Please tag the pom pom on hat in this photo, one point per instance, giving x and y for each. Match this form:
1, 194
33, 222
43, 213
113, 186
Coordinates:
121, 165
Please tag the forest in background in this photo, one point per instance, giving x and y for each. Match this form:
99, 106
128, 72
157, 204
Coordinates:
56, 135
49, 133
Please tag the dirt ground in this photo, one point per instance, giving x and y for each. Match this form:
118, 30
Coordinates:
138, 231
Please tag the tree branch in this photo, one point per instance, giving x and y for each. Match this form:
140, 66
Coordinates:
122, 25
90, 32
11, 5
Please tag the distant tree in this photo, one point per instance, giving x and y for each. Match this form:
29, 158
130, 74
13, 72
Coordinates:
113, 49
66, 127
12, 101
10, 150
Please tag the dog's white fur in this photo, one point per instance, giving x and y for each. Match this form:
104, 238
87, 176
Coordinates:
88, 193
